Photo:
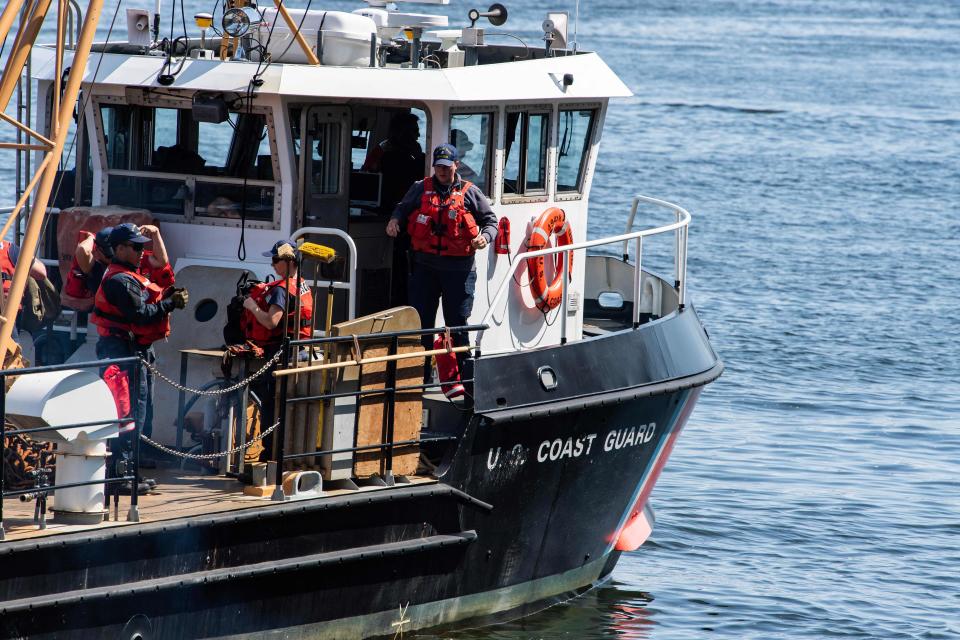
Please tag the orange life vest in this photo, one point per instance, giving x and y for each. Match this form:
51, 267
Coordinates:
6, 267
263, 336
77, 285
110, 321
161, 276
443, 227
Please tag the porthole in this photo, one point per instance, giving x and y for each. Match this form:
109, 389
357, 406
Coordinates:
206, 310
610, 300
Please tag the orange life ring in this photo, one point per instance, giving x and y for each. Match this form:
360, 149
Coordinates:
553, 221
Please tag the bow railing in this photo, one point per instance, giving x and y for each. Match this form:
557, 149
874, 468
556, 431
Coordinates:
679, 228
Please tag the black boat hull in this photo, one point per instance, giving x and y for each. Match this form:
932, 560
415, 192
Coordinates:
530, 509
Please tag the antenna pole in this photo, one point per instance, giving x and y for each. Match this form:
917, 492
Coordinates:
51, 160
576, 23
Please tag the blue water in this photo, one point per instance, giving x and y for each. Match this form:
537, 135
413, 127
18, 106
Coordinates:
815, 491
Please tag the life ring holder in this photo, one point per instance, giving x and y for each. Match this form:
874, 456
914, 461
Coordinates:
553, 221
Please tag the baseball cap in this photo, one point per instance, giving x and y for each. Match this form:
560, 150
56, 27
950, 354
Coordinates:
127, 232
102, 240
275, 251
445, 154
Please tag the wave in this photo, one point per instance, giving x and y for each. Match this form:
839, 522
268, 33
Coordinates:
713, 107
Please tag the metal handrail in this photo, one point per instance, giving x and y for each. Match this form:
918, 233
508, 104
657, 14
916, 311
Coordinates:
680, 261
351, 284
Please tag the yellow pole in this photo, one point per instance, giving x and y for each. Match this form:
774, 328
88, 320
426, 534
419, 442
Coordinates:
23, 197
58, 65
9, 15
35, 222
354, 363
21, 50
292, 25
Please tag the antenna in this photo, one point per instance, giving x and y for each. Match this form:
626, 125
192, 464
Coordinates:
576, 23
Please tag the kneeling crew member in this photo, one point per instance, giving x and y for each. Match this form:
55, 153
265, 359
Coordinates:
263, 322
448, 220
131, 313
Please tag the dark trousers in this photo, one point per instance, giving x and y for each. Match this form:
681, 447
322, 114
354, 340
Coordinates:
429, 287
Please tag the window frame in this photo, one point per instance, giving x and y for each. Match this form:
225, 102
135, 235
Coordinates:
189, 215
587, 161
493, 188
538, 195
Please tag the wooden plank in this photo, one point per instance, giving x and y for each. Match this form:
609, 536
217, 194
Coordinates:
408, 412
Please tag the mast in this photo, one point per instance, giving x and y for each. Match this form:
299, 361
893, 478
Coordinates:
46, 171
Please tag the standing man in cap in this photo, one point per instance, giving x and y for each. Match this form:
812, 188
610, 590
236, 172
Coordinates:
448, 220
131, 313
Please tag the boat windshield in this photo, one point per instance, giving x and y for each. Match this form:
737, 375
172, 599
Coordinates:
165, 160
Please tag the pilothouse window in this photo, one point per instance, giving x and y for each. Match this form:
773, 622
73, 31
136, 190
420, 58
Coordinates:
217, 170
576, 127
471, 133
525, 161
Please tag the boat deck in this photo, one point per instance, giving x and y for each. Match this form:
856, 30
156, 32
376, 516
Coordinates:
178, 494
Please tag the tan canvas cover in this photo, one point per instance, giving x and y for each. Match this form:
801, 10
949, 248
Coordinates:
75, 219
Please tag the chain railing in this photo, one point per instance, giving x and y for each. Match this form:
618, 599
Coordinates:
209, 456
214, 392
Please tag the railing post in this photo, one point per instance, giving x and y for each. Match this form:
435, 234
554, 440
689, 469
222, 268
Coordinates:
676, 255
389, 409
134, 514
638, 282
3, 445
683, 271
181, 399
633, 213
281, 417
563, 295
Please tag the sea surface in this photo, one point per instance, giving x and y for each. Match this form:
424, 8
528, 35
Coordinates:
815, 492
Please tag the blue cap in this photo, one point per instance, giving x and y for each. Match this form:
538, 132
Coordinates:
445, 154
275, 251
127, 232
102, 240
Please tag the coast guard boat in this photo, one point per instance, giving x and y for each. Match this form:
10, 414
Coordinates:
387, 507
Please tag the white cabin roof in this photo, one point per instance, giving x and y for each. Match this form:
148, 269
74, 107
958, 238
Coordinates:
524, 80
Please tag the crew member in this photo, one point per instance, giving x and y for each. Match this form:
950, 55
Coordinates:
401, 162
131, 313
460, 139
90, 261
448, 219
9, 254
270, 309
93, 255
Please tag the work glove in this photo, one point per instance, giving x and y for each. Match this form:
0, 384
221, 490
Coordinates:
180, 298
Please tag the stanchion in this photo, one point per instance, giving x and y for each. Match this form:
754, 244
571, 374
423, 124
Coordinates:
388, 413
134, 514
3, 446
281, 415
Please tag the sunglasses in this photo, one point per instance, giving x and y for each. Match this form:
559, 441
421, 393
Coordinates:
135, 246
